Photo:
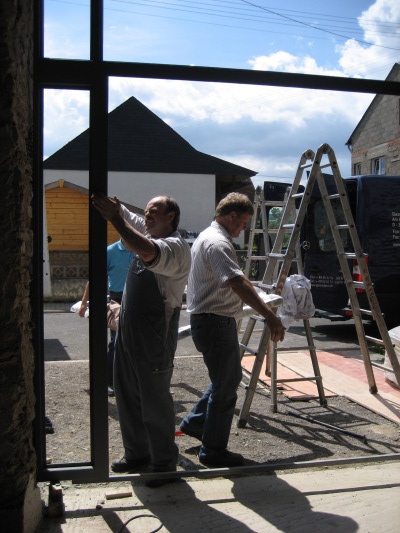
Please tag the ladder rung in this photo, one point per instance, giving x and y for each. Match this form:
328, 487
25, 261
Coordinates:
375, 340
325, 166
332, 196
342, 226
382, 367
296, 349
277, 256
267, 287
276, 203
257, 257
297, 195
288, 380
306, 165
366, 312
275, 231
258, 317
288, 226
350, 255
357, 284
248, 349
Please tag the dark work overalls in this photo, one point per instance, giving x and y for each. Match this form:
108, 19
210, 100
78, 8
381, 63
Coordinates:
145, 348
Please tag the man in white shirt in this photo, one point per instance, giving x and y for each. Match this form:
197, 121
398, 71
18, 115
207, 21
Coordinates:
148, 331
216, 291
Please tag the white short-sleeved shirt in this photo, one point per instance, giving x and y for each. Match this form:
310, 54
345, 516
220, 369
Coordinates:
214, 262
172, 264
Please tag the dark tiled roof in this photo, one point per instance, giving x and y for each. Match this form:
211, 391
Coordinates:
139, 141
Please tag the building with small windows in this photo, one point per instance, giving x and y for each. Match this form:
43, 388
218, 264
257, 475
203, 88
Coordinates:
375, 142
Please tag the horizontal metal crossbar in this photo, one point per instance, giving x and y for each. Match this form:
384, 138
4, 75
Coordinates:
289, 380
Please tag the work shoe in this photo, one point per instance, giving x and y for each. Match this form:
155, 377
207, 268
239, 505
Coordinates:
155, 483
48, 424
222, 459
190, 432
130, 465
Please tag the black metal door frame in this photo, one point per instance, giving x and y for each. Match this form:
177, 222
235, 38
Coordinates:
93, 75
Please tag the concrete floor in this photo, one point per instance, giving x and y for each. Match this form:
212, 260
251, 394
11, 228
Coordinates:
362, 498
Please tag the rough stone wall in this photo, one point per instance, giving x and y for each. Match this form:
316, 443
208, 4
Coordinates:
18, 462
379, 136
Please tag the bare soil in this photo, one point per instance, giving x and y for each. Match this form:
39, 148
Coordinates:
267, 438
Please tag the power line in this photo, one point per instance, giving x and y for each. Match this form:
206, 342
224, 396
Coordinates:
235, 13
316, 27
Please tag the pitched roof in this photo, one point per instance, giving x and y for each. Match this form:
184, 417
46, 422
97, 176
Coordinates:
68, 185
394, 75
139, 141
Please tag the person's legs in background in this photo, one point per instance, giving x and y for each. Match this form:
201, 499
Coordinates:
110, 363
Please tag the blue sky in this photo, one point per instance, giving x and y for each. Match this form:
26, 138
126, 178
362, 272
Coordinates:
265, 129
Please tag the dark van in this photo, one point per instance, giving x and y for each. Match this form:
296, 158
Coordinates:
375, 205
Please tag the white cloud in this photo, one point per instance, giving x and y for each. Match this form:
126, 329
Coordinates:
263, 128
66, 115
381, 26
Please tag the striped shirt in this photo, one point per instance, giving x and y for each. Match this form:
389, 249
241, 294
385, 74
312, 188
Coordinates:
214, 262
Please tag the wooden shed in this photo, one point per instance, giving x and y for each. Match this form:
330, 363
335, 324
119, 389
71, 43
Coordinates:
67, 224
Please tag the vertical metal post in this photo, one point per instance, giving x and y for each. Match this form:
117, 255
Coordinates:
98, 151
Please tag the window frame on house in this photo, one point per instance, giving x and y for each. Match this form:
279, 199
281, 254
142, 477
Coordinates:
93, 75
357, 169
378, 166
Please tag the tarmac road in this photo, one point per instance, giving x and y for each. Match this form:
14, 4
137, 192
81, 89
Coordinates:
66, 336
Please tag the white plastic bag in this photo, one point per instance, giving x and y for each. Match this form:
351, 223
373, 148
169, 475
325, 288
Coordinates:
297, 300
75, 308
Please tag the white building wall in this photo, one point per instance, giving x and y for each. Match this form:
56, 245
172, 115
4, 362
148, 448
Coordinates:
195, 193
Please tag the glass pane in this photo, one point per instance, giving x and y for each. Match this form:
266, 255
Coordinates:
322, 227
264, 129
66, 334
66, 30
339, 40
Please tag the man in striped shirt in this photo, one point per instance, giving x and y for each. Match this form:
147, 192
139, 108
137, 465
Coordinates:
216, 291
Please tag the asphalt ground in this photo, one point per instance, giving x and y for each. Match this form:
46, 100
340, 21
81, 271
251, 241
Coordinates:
66, 336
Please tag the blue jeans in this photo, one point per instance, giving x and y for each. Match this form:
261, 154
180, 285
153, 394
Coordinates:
215, 337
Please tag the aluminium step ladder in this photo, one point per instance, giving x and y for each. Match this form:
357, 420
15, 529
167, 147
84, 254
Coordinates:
269, 283
349, 226
270, 286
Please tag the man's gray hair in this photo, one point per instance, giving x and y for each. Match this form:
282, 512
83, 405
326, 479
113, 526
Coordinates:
234, 201
172, 205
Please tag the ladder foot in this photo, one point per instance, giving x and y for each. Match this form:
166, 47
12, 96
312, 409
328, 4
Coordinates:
241, 423
274, 408
323, 403
373, 390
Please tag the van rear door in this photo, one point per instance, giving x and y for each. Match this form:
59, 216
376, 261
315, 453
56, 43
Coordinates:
378, 226
321, 265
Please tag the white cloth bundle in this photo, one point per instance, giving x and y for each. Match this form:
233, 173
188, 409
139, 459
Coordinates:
297, 300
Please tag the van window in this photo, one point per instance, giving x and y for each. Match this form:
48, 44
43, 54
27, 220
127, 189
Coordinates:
322, 227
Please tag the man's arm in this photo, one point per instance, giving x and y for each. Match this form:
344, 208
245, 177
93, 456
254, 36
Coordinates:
136, 241
246, 292
85, 299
